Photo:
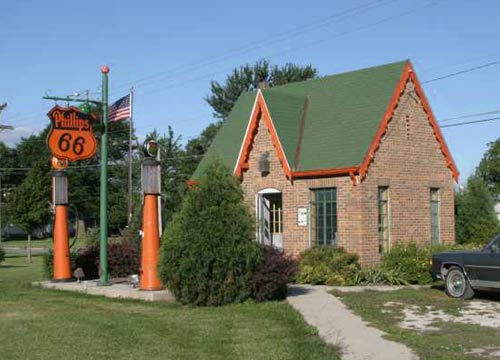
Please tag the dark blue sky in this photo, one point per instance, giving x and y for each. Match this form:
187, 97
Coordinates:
176, 48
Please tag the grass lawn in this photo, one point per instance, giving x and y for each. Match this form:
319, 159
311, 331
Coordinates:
449, 340
47, 324
39, 243
23, 243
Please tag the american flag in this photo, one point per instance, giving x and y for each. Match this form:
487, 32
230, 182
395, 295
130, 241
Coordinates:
120, 109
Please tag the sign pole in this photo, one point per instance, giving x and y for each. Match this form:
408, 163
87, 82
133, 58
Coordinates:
104, 276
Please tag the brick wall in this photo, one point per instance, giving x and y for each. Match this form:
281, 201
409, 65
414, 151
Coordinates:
409, 161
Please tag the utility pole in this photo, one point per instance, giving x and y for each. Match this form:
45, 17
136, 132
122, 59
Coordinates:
2, 127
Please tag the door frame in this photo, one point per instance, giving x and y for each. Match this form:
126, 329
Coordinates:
260, 194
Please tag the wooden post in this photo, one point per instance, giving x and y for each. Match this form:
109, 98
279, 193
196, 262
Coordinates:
30, 260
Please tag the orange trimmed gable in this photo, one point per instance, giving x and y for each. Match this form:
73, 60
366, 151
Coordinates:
407, 75
326, 127
260, 111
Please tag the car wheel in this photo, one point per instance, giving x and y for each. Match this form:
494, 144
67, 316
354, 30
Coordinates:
457, 285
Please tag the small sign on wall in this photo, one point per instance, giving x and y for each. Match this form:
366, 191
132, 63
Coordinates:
302, 216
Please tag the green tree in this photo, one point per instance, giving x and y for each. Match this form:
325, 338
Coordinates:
476, 221
173, 176
28, 204
197, 147
248, 77
489, 168
208, 251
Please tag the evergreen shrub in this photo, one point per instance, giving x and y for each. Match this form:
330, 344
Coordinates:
208, 252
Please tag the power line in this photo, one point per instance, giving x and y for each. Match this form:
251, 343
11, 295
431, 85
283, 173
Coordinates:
469, 115
335, 18
482, 66
470, 122
292, 49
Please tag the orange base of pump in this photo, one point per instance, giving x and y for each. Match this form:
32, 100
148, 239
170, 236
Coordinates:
150, 248
62, 263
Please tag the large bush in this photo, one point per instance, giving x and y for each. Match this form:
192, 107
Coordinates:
327, 265
269, 282
2, 254
411, 262
208, 251
406, 263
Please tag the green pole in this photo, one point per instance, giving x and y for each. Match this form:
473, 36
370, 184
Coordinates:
104, 180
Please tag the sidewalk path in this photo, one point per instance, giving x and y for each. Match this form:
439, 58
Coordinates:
337, 325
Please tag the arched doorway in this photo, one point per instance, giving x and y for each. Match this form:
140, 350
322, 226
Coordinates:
269, 210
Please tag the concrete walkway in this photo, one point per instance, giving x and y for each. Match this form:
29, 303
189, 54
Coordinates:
339, 326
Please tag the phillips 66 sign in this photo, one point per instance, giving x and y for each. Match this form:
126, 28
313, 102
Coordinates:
71, 136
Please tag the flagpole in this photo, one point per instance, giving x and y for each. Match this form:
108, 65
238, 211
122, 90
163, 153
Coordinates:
129, 222
103, 253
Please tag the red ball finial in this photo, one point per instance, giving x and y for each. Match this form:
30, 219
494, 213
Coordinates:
104, 69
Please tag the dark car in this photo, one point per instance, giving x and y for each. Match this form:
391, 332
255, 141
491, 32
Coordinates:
466, 271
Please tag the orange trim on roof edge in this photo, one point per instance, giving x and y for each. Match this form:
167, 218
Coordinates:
408, 74
260, 111
324, 172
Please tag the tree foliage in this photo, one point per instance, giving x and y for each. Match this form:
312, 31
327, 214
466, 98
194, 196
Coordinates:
248, 77
489, 169
476, 221
28, 203
208, 252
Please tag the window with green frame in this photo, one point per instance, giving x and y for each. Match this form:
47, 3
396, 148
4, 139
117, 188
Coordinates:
383, 218
435, 231
323, 210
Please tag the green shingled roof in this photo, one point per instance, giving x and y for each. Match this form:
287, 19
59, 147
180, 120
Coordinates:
343, 114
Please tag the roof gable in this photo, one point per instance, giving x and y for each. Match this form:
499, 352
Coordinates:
326, 126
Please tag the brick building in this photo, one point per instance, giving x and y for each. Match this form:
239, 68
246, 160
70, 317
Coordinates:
355, 159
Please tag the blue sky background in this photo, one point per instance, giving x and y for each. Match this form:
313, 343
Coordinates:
176, 48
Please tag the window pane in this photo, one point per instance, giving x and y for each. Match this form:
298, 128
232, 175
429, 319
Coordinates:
435, 231
326, 215
383, 217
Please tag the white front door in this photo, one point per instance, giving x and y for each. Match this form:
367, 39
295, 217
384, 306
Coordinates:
269, 217
266, 221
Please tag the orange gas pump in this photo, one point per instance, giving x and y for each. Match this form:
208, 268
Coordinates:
62, 263
150, 246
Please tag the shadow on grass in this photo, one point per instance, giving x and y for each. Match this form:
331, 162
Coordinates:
12, 266
489, 295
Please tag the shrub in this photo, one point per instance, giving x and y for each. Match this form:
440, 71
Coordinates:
327, 265
411, 261
379, 275
208, 253
2, 254
123, 260
88, 260
269, 282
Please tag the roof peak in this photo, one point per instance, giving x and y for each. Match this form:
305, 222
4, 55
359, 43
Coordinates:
328, 77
